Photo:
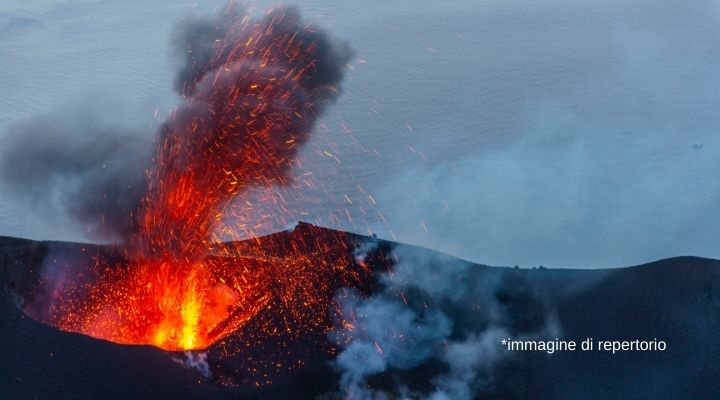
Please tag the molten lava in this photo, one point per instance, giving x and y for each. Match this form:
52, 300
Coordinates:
285, 282
252, 92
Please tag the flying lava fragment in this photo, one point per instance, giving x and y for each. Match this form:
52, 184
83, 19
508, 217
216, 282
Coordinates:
252, 90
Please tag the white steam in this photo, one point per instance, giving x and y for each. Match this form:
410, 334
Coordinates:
433, 310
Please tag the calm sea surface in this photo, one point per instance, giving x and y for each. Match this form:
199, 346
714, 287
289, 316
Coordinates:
561, 133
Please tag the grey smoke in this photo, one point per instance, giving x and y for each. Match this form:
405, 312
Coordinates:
386, 334
83, 159
92, 161
196, 43
434, 310
195, 360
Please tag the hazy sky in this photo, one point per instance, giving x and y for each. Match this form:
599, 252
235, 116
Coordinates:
564, 133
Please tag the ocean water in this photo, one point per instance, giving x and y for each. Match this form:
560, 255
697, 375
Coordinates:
557, 133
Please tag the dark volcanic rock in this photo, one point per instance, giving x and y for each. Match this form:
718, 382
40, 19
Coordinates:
676, 300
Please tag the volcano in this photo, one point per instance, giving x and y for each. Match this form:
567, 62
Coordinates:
218, 167
676, 300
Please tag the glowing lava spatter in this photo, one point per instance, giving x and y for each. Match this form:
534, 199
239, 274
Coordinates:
252, 93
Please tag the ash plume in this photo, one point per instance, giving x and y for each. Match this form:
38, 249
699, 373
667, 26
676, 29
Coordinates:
200, 43
82, 159
253, 90
434, 330
109, 176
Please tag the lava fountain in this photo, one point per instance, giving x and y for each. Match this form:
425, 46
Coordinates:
252, 91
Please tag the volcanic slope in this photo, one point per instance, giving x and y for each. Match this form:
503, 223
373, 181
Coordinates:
676, 300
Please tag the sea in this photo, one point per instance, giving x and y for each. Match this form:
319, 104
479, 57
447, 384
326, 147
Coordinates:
562, 133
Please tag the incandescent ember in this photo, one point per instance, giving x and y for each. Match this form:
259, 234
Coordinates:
252, 91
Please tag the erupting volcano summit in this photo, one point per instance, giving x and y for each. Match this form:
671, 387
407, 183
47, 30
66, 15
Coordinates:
252, 91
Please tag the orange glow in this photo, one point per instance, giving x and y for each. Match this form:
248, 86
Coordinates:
185, 306
170, 306
242, 120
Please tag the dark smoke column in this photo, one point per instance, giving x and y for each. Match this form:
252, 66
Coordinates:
253, 90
